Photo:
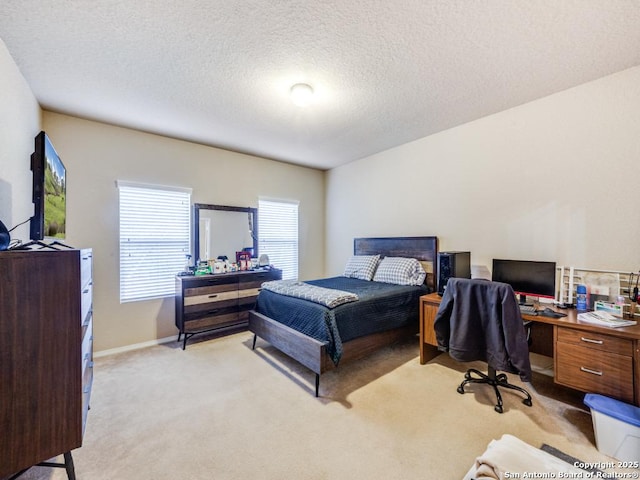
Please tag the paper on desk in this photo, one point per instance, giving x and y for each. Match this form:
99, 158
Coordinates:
604, 319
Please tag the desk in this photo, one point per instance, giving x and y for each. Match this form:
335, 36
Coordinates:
586, 357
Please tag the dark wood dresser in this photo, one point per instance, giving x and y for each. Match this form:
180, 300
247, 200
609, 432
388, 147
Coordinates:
219, 302
46, 360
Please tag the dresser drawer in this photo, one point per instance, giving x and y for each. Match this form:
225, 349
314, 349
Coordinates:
87, 384
243, 315
248, 296
86, 301
198, 310
86, 267
209, 295
212, 321
595, 341
247, 303
606, 373
87, 343
209, 284
87, 376
257, 278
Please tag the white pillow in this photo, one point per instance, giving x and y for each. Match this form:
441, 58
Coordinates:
400, 271
361, 266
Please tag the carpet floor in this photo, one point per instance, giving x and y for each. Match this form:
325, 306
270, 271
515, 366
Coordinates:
219, 410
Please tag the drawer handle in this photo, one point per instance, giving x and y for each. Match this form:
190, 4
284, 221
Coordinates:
593, 372
590, 340
213, 296
213, 312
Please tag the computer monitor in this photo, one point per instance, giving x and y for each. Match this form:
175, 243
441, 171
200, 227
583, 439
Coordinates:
526, 277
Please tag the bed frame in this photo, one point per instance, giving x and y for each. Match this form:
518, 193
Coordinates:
312, 353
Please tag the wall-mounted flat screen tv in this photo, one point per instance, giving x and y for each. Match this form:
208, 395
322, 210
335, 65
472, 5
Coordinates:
49, 191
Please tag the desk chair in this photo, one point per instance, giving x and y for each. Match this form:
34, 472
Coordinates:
480, 320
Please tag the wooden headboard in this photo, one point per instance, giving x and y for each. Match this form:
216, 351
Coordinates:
424, 249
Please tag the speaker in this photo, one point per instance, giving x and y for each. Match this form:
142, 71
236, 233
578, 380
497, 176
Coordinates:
452, 264
5, 238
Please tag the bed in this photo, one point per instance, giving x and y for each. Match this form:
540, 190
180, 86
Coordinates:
382, 314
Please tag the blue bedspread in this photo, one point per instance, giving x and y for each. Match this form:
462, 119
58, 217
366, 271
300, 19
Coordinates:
381, 307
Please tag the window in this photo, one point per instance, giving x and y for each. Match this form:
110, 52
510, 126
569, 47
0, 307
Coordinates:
278, 235
154, 239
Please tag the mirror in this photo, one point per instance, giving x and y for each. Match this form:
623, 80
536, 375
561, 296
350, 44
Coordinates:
221, 230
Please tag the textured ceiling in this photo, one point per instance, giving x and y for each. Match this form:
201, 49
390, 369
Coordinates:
385, 72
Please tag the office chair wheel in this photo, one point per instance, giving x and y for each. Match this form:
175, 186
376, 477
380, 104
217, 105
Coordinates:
527, 402
498, 408
460, 389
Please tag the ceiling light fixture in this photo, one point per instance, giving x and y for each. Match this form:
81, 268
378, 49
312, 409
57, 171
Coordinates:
301, 94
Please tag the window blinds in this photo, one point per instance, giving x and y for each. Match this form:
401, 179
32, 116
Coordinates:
278, 235
154, 239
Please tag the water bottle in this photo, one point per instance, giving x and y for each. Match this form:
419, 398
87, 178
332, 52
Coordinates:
581, 298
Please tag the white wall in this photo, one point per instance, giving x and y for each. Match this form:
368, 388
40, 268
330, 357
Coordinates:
19, 124
96, 155
555, 179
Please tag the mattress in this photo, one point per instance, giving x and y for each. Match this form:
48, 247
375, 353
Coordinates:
380, 307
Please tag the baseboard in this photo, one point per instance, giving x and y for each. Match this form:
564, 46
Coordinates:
135, 346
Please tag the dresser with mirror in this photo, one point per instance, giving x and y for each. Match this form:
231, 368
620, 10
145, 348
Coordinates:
218, 304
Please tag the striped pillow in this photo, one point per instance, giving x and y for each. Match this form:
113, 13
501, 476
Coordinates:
361, 266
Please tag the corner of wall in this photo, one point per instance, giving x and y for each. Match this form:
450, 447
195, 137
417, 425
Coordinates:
20, 121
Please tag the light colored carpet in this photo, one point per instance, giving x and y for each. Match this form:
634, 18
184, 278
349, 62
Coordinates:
222, 411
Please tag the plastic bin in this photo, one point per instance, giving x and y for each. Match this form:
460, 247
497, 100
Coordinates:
617, 427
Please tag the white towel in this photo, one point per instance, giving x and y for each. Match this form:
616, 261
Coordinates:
512, 455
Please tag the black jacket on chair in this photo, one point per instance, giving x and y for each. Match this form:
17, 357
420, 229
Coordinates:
481, 320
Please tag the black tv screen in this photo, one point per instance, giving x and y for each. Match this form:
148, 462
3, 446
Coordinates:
49, 191
526, 277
